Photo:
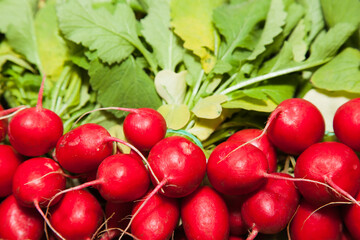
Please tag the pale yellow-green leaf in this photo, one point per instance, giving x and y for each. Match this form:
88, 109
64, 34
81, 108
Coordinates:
203, 128
192, 22
209, 107
328, 102
251, 104
51, 46
171, 86
176, 116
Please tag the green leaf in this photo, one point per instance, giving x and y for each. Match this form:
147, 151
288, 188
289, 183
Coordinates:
16, 21
298, 43
327, 44
341, 11
156, 30
250, 103
246, 16
124, 85
275, 20
342, 73
52, 47
113, 36
313, 17
196, 30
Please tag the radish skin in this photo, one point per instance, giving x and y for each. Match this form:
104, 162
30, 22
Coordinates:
235, 170
329, 162
263, 143
205, 216
9, 161
352, 219
19, 222
346, 124
77, 216
269, 209
157, 219
82, 149
311, 223
295, 125
144, 127
180, 162
37, 180
35, 131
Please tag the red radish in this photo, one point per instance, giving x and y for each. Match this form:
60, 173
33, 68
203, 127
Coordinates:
19, 222
235, 170
3, 127
35, 131
179, 163
270, 209
352, 219
144, 127
236, 222
295, 125
77, 216
157, 219
119, 178
37, 180
9, 161
122, 178
118, 217
311, 223
204, 215
263, 143
329, 162
82, 149
346, 123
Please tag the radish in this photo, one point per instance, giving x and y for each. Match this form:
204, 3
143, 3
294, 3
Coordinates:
119, 178
117, 215
9, 161
309, 222
177, 163
37, 180
346, 123
263, 143
35, 131
235, 170
157, 219
82, 149
204, 215
332, 163
352, 219
122, 178
144, 127
270, 209
295, 125
236, 222
77, 216
19, 222
3, 126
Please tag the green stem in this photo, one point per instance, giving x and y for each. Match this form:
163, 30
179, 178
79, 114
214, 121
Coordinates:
278, 73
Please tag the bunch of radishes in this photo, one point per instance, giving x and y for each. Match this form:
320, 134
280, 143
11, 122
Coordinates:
166, 188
